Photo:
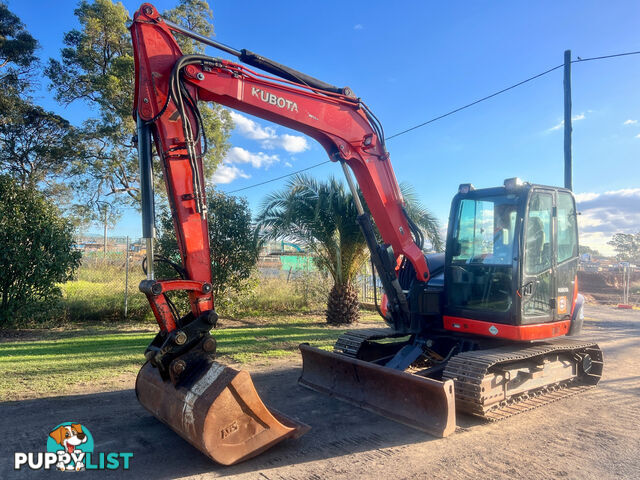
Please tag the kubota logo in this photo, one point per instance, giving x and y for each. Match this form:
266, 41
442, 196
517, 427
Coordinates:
273, 99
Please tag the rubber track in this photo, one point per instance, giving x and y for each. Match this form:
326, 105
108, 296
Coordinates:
349, 342
468, 370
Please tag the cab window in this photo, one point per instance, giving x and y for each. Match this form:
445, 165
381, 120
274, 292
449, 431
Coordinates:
480, 275
567, 228
538, 234
484, 231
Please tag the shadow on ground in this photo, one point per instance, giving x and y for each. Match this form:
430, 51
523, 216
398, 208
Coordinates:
119, 424
345, 440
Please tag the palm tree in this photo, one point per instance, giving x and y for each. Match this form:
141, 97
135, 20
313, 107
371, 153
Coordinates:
322, 217
427, 222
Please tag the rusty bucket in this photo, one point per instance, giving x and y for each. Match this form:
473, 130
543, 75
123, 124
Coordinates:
217, 410
418, 402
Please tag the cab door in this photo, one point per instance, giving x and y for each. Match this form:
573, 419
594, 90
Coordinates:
566, 253
538, 285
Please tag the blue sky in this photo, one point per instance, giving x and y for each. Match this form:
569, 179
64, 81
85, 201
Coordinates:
411, 61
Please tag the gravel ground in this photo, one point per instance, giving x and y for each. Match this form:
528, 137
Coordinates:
594, 435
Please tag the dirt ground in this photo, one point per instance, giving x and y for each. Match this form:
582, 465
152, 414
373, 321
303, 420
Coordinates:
594, 435
605, 288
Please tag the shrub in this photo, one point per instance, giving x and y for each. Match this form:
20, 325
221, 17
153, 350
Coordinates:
305, 293
234, 244
36, 251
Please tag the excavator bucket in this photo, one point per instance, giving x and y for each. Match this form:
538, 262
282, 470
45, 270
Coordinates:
217, 410
418, 402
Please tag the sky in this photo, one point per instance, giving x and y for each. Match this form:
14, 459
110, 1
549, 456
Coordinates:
414, 60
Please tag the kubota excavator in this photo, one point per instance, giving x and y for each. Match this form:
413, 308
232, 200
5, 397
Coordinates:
475, 329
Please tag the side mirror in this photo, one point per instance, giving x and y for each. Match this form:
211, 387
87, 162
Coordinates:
457, 249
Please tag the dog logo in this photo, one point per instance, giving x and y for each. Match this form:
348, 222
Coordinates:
70, 448
70, 441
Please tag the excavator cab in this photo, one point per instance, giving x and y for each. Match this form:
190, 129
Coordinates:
511, 259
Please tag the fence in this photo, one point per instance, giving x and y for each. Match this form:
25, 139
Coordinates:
612, 286
290, 266
105, 286
365, 285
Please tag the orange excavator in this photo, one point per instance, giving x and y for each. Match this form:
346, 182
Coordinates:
479, 329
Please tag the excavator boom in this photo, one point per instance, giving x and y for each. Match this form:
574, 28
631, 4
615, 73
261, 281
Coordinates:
216, 408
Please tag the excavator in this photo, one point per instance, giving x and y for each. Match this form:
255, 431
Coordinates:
480, 329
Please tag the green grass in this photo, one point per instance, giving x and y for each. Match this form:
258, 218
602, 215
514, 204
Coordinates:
64, 361
97, 293
274, 296
45, 367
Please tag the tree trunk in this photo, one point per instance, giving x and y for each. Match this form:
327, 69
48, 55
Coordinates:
5, 301
343, 306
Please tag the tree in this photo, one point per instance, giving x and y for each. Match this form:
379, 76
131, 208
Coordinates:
17, 55
322, 217
422, 216
195, 15
627, 246
233, 239
36, 146
36, 248
582, 249
97, 68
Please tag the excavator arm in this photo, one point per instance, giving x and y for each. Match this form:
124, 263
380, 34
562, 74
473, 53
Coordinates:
168, 87
214, 407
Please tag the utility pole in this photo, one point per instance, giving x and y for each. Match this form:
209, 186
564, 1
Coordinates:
105, 220
104, 237
568, 173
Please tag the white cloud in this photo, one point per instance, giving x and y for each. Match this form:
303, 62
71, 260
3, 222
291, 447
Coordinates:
251, 129
630, 122
585, 197
267, 136
257, 160
604, 214
294, 143
226, 173
638, 136
290, 143
358, 26
288, 164
575, 118
228, 170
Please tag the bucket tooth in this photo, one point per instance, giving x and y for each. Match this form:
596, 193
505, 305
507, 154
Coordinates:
217, 410
418, 402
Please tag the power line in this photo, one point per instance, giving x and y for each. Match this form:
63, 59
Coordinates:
476, 102
280, 177
578, 60
451, 112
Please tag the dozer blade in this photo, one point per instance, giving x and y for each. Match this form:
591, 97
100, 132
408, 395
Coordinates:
217, 410
418, 402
